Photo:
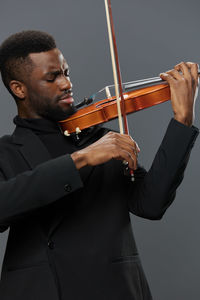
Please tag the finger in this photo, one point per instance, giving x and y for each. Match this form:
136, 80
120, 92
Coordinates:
132, 150
194, 69
136, 144
184, 69
121, 142
131, 142
124, 138
175, 74
124, 148
135, 158
137, 147
167, 77
129, 158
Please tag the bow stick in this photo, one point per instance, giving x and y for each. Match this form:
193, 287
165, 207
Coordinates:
116, 73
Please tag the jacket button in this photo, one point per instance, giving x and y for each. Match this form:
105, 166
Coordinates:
50, 245
67, 187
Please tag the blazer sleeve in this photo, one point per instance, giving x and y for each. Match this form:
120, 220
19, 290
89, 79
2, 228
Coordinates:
41, 186
153, 191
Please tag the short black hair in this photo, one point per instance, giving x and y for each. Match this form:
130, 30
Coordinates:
14, 61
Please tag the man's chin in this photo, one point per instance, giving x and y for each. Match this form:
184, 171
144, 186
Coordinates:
66, 113
59, 114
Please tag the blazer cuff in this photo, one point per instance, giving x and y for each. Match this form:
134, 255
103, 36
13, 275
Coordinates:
181, 135
70, 174
64, 179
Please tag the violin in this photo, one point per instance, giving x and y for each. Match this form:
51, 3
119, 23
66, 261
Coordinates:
105, 110
122, 103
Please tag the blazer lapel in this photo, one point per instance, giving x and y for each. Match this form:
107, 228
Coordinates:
32, 149
34, 152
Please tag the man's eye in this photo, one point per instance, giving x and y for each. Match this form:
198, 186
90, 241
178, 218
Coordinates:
50, 79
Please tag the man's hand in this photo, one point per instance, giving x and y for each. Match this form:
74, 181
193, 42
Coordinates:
110, 146
183, 82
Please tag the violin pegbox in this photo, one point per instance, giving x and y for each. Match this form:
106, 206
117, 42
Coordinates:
66, 133
78, 130
77, 133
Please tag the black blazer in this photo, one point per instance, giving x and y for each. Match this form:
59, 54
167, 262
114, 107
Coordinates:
70, 232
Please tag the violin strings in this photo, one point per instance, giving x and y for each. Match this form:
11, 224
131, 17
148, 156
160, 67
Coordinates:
140, 82
133, 84
143, 82
148, 80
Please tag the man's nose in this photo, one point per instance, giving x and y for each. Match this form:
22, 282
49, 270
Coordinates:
65, 83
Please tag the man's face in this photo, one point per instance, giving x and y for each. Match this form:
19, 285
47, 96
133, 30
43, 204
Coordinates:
49, 89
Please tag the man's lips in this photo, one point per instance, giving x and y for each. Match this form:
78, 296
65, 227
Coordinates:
66, 99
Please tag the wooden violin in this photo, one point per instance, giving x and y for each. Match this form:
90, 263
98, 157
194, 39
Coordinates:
122, 103
106, 110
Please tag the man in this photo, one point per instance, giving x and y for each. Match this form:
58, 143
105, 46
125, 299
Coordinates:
67, 201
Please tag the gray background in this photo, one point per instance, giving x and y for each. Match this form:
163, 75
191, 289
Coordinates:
152, 37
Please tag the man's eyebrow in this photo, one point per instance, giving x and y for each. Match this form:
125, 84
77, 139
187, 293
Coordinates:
57, 72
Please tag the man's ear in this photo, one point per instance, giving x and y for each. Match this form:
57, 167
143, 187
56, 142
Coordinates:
18, 88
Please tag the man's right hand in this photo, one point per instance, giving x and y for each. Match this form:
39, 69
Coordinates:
111, 146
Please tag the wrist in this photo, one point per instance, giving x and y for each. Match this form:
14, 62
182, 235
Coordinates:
186, 120
79, 159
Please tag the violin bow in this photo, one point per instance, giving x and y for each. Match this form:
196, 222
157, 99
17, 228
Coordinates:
123, 127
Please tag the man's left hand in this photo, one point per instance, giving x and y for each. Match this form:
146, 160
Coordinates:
183, 82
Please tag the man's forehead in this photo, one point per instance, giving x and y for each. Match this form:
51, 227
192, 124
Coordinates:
52, 59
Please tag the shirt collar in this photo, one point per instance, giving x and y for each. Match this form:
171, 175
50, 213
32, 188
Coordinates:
39, 126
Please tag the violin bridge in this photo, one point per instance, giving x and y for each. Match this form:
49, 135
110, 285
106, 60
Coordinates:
107, 90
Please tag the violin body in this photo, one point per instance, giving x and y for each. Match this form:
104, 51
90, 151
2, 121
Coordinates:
106, 110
